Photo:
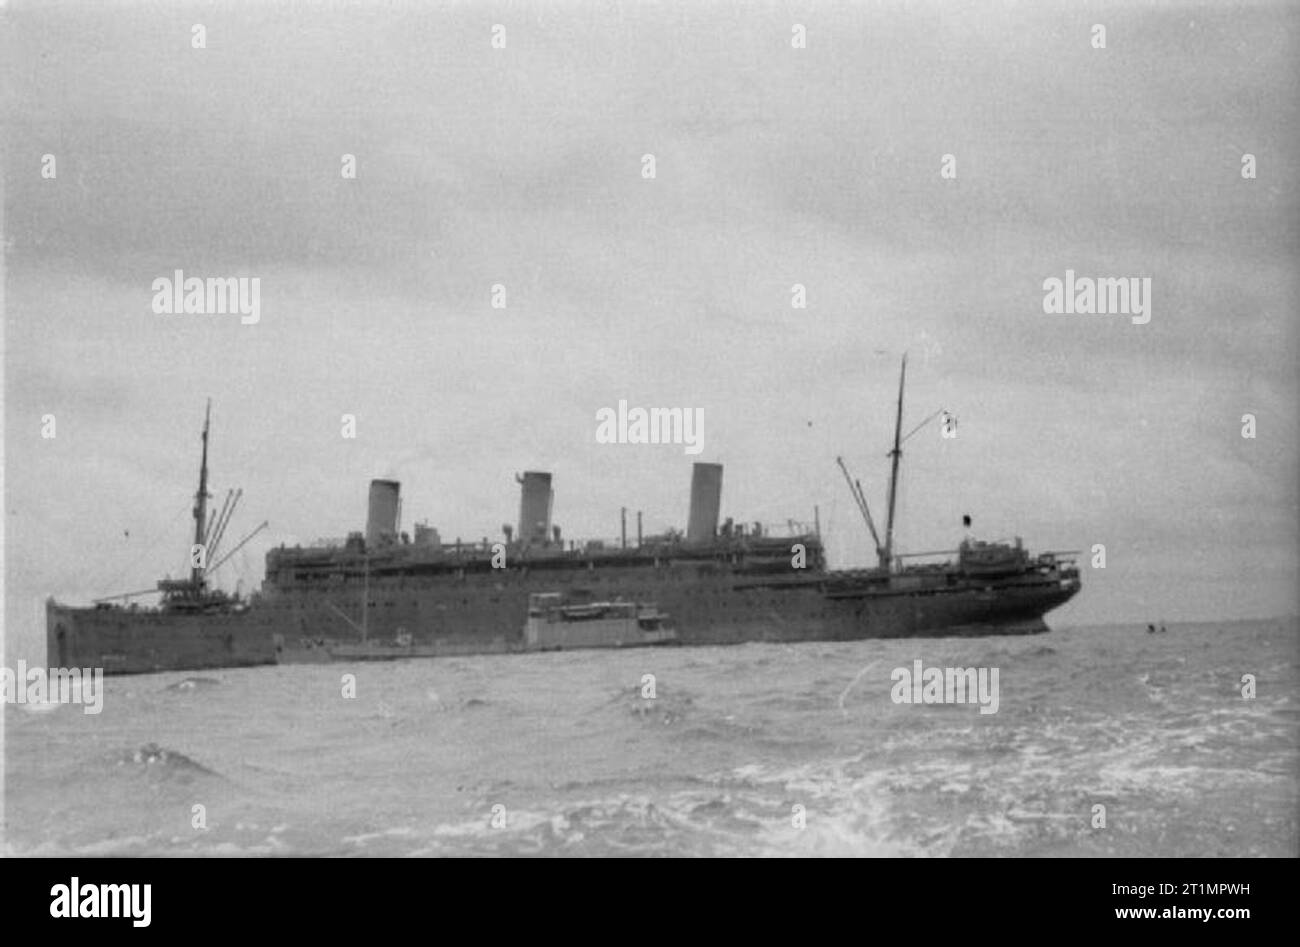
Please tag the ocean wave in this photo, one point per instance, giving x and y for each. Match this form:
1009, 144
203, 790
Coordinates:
191, 684
162, 762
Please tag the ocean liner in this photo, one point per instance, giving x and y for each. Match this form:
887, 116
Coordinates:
386, 593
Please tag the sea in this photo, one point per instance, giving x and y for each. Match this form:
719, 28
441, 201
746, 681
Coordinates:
1107, 741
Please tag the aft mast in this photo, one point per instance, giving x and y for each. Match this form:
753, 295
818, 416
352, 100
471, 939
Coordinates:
201, 504
886, 559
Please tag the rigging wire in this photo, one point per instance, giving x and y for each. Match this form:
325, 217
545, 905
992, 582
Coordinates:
923, 424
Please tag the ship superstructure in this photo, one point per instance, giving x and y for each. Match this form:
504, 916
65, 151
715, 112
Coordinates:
471, 597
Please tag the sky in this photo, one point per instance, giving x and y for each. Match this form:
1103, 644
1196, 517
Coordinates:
774, 166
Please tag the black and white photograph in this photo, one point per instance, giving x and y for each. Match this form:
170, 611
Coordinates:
663, 429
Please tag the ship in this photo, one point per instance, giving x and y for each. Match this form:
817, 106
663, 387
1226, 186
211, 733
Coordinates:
387, 593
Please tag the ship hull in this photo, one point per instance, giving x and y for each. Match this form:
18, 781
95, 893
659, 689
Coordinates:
486, 614
1016, 609
122, 641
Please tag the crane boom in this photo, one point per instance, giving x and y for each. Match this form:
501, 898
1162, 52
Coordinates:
860, 499
240, 545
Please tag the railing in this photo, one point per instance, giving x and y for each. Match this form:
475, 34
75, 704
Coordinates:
328, 542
